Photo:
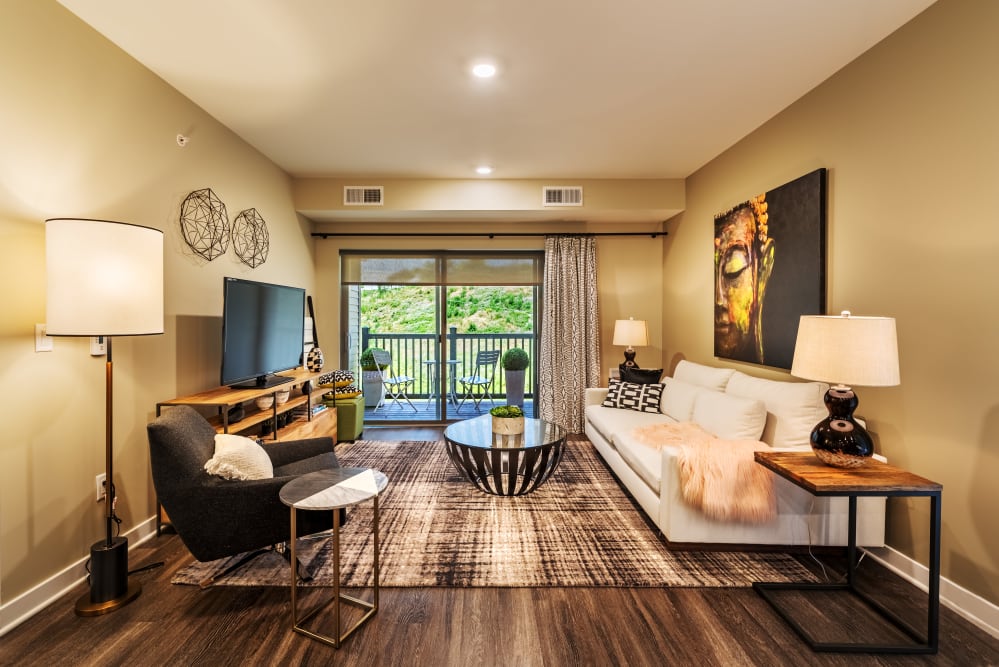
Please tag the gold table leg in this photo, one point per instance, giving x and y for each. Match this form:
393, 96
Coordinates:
338, 597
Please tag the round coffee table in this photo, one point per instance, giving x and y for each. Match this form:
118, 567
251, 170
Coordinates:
505, 465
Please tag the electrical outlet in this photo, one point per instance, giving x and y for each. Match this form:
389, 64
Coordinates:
102, 491
43, 342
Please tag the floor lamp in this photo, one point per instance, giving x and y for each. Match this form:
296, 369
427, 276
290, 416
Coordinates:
105, 279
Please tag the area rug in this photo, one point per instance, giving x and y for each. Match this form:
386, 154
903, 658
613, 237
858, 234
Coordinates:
578, 529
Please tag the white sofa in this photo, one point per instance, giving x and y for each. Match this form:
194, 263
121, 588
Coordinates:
729, 404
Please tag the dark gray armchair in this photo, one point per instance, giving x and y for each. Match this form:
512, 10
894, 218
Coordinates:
216, 517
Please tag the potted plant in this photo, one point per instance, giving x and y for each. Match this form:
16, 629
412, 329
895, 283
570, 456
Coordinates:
507, 419
371, 380
515, 362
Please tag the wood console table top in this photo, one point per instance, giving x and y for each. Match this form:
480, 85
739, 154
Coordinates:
873, 478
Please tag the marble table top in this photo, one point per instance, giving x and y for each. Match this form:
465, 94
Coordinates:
333, 488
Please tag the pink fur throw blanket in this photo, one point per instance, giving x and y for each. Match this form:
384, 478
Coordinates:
717, 476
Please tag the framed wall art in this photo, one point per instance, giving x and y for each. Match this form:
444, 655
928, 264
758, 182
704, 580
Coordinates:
770, 256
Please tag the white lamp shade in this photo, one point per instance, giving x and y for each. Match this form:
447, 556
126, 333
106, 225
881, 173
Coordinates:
631, 332
104, 278
854, 351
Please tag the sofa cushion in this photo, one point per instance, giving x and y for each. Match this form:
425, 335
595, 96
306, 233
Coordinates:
646, 461
610, 422
678, 398
704, 376
729, 417
630, 396
794, 408
641, 375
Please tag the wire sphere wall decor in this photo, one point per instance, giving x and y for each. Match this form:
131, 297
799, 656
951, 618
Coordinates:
204, 223
250, 239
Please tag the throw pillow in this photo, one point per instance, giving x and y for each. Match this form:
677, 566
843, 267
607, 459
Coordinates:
348, 391
338, 378
239, 457
631, 396
641, 375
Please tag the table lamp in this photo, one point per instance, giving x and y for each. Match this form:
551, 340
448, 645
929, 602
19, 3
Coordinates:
630, 332
847, 351
105, 279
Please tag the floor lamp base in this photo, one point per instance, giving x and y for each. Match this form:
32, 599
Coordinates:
109, 584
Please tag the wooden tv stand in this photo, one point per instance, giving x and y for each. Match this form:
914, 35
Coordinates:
305, 423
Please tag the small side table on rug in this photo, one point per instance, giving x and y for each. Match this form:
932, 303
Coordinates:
874, 478
333, 489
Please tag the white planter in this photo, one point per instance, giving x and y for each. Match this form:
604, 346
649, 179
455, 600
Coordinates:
372, 388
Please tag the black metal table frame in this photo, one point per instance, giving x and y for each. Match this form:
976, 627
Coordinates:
497, 470
925, 644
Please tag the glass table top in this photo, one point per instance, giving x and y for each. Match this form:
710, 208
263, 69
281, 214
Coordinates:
478, 432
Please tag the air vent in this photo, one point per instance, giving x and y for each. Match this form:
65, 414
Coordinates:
363, 195
562, 195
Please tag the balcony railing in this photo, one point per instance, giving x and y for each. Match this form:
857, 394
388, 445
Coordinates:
415, 355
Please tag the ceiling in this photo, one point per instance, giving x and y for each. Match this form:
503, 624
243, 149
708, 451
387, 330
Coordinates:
621, 89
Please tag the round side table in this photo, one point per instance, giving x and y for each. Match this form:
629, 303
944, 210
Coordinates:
333, 489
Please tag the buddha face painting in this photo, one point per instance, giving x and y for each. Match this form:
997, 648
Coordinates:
744, 256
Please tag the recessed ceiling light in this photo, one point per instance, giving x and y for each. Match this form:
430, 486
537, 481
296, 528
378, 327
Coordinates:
484, 70
484, 170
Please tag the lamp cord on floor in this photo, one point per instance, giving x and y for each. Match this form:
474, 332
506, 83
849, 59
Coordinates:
825, 575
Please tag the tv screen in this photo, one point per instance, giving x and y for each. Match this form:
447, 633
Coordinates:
262, 332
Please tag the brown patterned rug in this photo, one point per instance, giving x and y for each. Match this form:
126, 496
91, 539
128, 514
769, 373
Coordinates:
578, 529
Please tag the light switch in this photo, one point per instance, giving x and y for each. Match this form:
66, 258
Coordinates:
43, 343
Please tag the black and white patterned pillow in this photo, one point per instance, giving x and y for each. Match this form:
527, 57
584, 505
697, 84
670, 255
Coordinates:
630, 396
339, 378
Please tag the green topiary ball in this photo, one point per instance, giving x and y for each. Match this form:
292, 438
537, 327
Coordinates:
515, 359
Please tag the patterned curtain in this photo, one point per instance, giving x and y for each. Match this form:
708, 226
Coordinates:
570, 330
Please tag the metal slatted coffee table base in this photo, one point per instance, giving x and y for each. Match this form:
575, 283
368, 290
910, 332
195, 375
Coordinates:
331, 490
511, 472
505, 464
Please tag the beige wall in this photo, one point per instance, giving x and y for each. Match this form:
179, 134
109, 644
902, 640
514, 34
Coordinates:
910, 135
88, 132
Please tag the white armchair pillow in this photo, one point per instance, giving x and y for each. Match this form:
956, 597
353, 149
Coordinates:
239, 457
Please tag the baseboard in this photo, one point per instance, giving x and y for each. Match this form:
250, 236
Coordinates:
973, 608
29, 603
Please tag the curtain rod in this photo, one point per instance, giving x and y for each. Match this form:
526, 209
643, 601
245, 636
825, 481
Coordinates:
324, 235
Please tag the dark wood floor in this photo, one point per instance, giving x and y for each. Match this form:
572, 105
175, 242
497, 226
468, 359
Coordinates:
182, 625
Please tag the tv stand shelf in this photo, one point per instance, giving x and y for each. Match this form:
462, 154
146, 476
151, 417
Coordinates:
224, 399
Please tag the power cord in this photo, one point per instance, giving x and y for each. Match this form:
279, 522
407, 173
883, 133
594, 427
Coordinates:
825, 575
808, 527
117, 522
146, 568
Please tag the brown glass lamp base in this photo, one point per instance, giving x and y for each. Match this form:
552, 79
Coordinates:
839, 440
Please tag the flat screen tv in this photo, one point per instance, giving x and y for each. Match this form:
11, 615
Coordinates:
263, 328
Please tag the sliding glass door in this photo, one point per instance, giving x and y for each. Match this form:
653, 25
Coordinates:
437, 315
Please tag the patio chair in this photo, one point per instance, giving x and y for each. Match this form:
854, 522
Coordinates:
396, 386
483, 374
